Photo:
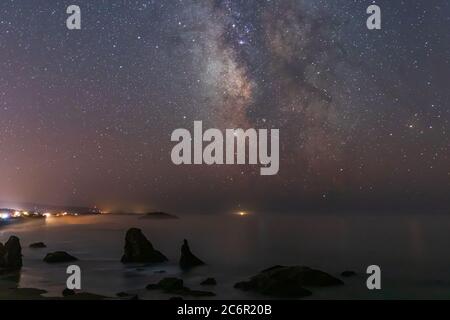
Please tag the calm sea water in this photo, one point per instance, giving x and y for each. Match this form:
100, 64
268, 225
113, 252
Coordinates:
412, 251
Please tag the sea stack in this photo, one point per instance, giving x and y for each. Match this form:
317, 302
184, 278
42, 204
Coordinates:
59, 257
139, 250
188, 259
11, 254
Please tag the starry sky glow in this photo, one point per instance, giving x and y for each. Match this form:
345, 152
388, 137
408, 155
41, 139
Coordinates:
86, 116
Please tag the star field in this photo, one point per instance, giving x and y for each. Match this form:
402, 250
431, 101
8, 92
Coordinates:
86, 115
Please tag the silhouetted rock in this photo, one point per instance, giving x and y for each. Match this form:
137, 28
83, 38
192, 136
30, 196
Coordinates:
348, 273
188, 260
198, 293
85, 296
11, 254
176, 298
209, 282
175, 286
283, 281
2, 254
170, 284
159, 215
59, 256
139, 249
68, 292
127, 295
38, 245
122, 294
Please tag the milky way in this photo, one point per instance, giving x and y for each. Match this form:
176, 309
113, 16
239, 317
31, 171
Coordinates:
86, 116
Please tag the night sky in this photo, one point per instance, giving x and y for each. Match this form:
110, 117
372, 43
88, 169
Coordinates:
86, 115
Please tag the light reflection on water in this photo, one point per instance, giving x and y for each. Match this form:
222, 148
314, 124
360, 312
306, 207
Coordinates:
411, 250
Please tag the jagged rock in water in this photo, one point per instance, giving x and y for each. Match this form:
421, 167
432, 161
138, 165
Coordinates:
123, 294
11, 254
280, 281
68, 292
38, 245
348, 273
176, 286
129, 296
59, 256
209, 282
139, 250
188, 259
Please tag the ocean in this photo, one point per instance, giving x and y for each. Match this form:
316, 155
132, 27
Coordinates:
411, 250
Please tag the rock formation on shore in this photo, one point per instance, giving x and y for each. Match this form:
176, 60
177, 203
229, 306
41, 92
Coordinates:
188, 259
11, 254
280, 281
59, 256
176, 286
139, 250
